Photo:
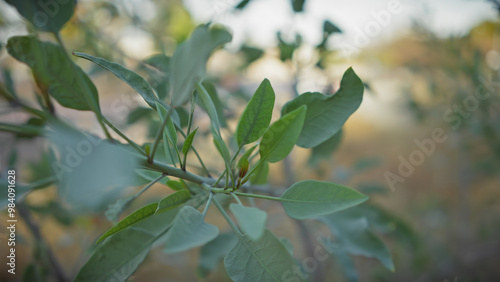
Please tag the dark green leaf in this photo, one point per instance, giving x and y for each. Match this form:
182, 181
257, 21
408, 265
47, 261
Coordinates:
263, 260
252, 221
45, 15
288, 245
173, 201
160, 62
138, 114
280, 137
257, 115
117, 257
131, 78
286, 49
327, 114
242, 4
187, 65
189, 141
54, 73
355, 237
188, 231
311, 198
251, 54
329, 28
298, 5
214, 252
131, 219
325, 149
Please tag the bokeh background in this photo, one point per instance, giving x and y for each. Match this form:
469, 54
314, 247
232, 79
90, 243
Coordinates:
428, 66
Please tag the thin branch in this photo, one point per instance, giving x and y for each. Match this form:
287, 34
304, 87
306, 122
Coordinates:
35, 230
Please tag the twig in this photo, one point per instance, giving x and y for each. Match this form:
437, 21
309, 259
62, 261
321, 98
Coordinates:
35, 230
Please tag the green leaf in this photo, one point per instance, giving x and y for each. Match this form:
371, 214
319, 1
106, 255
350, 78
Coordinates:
176, 185
219, 107
135, 81
188, 142
286, 49
214, 252
298, 5
251, 53
329, 28
327, 114
252, 221
172, 201
207, 104
139, 113
288, 245
131, 219
280, 137
355, 237
54, 73
311, 198
117, 257
346, 264
84, 157
187, 65
242, 4
259, 176
170, 128
221, 146
257, 115
189, 231
160, 62
263, 260
45, 15
325, 149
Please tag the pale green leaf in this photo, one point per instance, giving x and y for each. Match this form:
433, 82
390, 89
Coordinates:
208, 105
84, 157
135, 81
219, 107
189, 231
257, 115
187, 65
327, 114
311, 198
260, 175
252, 221
280, 137
263, 260
221, 146
176, 185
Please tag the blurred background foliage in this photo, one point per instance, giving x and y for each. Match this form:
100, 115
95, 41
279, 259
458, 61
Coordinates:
441, 223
